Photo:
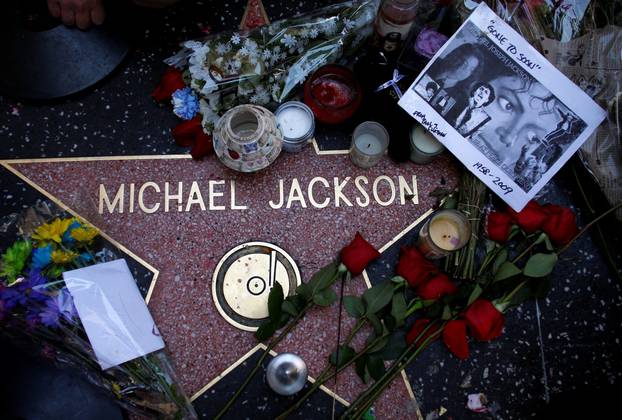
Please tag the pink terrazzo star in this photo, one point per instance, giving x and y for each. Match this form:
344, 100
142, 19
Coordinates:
186, 246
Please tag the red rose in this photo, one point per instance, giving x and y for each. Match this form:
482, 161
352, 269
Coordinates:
172, 80
417, 329
561, 225
531, 218
498, 226
455, 338
358, 254
185, 132
485, 321
436, 287
414, 267
190, 133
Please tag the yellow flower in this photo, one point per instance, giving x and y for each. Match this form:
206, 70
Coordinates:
52, 231
63, 257
84, 233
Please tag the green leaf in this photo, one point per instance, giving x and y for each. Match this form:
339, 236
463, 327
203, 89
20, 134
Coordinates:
398, 280
289, 307
14, 259
395, 346
547, 242
265, 330
304, 290
375, 322
399, 308
378, 297
354, 306
375, 366
324, 297
360, 366
346, 353
477, 291
540, 265
382, 341
490, 245
446, 313
501, 258
324, 278
507, 270
275, 300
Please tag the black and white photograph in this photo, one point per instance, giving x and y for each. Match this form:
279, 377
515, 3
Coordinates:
484, 88
502, 110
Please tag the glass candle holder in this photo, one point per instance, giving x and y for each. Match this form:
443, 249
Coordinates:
424, 147
370, 141
333, 94
246, 138
445, 232
296, 122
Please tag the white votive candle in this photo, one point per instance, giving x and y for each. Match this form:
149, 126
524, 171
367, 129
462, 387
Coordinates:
370, 141
445, 232
296, 122
424, 147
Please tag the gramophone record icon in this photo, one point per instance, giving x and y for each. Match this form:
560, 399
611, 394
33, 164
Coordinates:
244, 277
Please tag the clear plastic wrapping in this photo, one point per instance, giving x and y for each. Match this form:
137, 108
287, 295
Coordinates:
37, 313
267, 63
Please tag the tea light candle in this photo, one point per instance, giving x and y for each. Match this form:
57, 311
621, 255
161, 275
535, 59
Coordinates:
297, 124
286, 374
445, 232
370, 141
424, 148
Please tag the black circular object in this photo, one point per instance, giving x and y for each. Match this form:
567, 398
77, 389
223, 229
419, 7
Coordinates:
44, 59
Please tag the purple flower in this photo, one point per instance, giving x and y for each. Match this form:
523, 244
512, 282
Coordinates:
31, 289
57, 308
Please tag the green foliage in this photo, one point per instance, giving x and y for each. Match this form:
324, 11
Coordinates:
289, 307
354, 306
342, 355
324, 297
378, 297
375, 366
540, 265
14, 260
265, 330
375, 322
506, 270
399, 309
477, 291
275, 300
395, 345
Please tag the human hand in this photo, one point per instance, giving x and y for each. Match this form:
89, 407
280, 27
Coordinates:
81, 13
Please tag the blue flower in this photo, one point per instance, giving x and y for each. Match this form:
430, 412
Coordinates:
185, 103
41, 257
57, 308
67, 239
86, 257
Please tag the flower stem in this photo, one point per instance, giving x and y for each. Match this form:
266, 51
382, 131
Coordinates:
322, 378
589, 225
367, 398
269, 347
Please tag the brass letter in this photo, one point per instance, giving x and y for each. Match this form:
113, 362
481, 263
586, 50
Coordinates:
168, 196
357, 182
141, 203
295, 194
233, 205
338, 194
375, 190
405, 189
118, 199
310, 192
282, 200
195, 197
213, 194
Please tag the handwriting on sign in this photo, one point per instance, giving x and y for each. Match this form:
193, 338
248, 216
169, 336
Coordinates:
495, 33
318, 192
432, 127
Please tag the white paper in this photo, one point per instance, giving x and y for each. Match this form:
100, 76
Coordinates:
516, 139
113, 312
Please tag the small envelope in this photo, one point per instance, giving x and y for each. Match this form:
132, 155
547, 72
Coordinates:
113, 312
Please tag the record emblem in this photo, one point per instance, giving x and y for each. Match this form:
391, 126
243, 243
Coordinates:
243, 279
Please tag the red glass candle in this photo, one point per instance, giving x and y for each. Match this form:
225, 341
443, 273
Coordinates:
333, 94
